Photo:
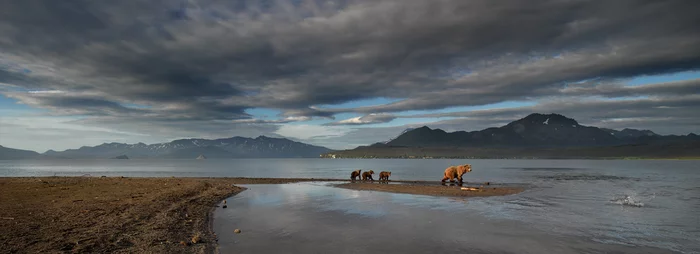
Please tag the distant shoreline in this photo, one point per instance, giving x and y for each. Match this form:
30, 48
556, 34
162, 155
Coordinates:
676, 151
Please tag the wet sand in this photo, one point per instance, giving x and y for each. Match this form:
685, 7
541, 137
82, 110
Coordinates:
434, 189
108, 214
128, 215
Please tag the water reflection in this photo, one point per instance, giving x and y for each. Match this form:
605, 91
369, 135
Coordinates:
452, 184
316, 218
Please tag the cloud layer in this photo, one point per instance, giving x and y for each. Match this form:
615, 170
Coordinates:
205, 63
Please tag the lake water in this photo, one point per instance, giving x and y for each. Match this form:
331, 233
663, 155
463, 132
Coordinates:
572, 206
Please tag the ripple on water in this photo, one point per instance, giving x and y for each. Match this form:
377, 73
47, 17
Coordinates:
627, 200
585, 177
531, 202
544, 168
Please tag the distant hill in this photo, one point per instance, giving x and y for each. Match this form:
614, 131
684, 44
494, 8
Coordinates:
235, 147
7, 153
538, 135
403, 132
535, 131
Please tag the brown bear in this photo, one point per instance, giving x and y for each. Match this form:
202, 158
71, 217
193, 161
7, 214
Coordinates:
453, 172
384, 175
368, 175
355, 174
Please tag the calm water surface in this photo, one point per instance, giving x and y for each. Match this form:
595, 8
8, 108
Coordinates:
573, 206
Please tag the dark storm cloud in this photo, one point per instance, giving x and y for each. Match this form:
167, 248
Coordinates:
60, 102
163, 131
618, 90
215, 59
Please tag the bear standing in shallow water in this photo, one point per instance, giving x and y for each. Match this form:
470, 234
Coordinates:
453, 172
384, 175
355, 174
368, 175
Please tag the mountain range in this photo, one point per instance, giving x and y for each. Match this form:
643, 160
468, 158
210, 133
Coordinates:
536, 131
7, 153
235, 147
536, 134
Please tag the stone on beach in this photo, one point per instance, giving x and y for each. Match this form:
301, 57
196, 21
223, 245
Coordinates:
196, 239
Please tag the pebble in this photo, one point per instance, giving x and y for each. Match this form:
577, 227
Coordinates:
237, 231
196, 239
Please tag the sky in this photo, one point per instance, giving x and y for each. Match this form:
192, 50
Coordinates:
338, 73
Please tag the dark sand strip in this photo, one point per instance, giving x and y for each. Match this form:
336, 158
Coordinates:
426, 188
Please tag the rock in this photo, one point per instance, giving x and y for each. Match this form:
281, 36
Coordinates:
196, 239
237, 231
487, 183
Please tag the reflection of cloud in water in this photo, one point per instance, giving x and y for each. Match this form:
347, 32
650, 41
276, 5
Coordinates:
318, 197
304, 218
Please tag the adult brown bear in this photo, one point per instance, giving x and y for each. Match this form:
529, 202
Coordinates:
355, 174
453, 172
384, 175
368, 175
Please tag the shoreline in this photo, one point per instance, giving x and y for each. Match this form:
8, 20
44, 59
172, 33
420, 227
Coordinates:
212, 247
145, 214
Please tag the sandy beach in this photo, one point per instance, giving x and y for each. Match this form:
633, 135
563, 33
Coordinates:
127, 215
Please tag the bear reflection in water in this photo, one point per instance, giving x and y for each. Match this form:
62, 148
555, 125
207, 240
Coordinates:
460, 184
